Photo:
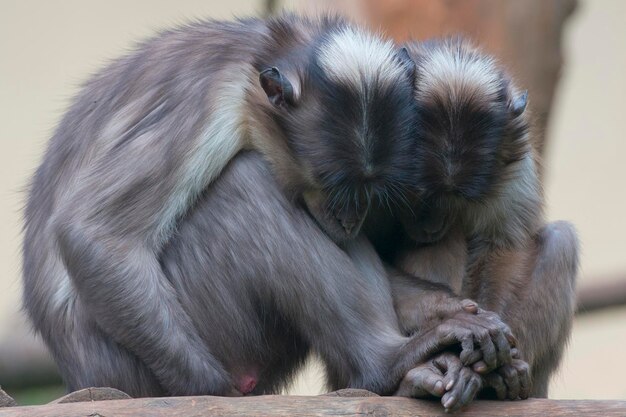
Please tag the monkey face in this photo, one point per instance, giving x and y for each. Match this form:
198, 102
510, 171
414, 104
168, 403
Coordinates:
461, 145
466, 150
353, 138
472, 129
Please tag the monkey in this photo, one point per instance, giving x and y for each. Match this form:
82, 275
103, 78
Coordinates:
478, 224
263, 285
150, 132
147, 134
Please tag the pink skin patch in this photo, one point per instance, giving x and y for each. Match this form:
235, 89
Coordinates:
247, 383
247, 380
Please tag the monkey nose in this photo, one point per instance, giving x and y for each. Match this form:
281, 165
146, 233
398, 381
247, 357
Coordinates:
348, 225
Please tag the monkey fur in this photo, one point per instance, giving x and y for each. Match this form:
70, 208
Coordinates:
149, 133
478, 227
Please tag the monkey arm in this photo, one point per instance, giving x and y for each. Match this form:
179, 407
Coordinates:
422, 305
131, 300
533, 290
116, 214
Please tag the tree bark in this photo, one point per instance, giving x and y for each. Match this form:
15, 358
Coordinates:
314, 406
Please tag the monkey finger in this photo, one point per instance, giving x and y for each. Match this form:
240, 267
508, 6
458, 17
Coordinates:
457, 397
451, 367
510, 337
480, 367
475, 358
495, 381
515, 353
503, 348
451, 398
452, 332
488, 349
471, 388
489, 334
496, 320
422, 382
511, 379
468, 354
523, 373
469, 306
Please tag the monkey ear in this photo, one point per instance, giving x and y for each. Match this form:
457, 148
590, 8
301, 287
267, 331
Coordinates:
278, 88
408, 63
518, 104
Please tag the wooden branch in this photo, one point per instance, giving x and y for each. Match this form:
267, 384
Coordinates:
92, 394
600, 296
270, 7
314, 406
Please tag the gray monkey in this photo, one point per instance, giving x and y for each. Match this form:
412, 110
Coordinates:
150, 132
478, 225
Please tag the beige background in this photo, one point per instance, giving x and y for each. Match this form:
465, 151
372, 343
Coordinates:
47, 48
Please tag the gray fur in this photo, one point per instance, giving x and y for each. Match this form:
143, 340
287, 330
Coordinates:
142, 140
262, 286
483, 216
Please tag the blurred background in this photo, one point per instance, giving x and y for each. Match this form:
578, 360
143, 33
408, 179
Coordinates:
570, 54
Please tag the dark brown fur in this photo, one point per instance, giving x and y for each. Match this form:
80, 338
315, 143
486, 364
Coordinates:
478, 223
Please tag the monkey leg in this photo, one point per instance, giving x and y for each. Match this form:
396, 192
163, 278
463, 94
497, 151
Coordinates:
533, 290
143, 315
87, 357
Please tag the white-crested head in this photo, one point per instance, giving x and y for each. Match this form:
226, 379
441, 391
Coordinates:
455, 69
355, 56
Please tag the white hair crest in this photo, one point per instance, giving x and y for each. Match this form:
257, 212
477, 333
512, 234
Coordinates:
458, 70
359, 58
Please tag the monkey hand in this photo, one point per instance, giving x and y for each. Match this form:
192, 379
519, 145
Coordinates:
510, 381
486, 342
444, 376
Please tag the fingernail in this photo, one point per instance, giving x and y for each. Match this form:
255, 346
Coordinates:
450, 385
439, 386
449, 402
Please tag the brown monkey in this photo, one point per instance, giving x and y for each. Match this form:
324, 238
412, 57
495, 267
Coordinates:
479, 226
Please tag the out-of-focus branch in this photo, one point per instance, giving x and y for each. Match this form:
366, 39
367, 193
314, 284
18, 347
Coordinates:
601, 296
270, 6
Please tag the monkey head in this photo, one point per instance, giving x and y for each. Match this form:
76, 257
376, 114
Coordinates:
473, 138
347, 117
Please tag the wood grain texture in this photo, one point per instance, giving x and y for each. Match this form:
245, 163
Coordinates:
92, 394
297, 406
351, 392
